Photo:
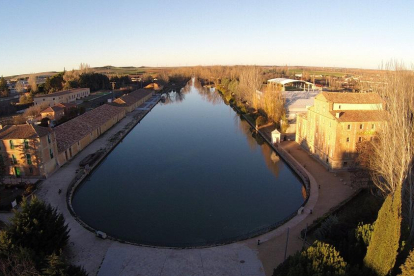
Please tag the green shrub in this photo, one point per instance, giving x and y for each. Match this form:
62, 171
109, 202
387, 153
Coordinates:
363, 233
407, 269
319, 259
260, 121
325, 229
36, 226
383, 247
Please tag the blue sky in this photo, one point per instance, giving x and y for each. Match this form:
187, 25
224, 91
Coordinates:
50, 35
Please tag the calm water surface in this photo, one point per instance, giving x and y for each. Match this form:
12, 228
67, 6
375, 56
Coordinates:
189, 174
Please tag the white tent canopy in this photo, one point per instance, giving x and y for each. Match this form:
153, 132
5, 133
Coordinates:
284, 81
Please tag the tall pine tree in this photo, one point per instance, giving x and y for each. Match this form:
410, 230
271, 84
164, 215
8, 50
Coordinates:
383, 247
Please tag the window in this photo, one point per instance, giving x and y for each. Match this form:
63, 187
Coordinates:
361, 126
26, 144
13, 159
339, 106
51, 153
345, 164
349, 127
360, 139
17, 171
48, 138
373, 126
347, 139
31, 170
29, 159
11, 144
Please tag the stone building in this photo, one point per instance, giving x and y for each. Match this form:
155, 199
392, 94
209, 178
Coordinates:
336, 123
134, 99
67, 96
76, 134
28, 150
53, 112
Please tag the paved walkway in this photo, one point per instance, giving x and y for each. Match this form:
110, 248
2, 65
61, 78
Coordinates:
333, 190
106, 257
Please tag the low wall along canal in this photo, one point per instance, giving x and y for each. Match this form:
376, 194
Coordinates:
189, 175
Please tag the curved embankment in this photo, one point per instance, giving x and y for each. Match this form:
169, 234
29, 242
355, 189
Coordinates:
306, 181
82, 174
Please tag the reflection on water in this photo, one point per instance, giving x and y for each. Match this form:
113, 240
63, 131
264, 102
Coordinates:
191, 173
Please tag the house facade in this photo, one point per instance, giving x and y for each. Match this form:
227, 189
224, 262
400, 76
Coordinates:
67, 96
336, 123
28, 151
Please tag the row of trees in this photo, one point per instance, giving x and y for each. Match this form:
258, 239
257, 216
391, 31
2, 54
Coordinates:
83, 78
245, 85
32, 244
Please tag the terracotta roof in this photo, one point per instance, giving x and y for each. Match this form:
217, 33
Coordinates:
66, 105
54, 108
352, 98
26, 131
360, 115
126, 100
74, 130
60, 93
140, 93
154, 86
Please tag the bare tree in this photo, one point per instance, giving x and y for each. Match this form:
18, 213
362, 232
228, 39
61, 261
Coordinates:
391, 158
33, 84
250, 82
20, 86
84, 68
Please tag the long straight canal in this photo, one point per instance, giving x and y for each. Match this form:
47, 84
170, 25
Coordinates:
190, 174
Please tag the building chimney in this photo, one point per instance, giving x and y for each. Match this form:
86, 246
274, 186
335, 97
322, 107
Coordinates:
338, 114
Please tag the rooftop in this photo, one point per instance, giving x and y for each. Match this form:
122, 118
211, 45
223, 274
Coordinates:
26, 131
352, 98
64, 92
66, 105
54, 108
284, 81
140, 93
359, 115
126, 100
74, 130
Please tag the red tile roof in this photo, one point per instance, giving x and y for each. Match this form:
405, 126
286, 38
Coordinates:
140, 93
133, 97
359, 115
26, 131
74, 130
66, 105
352, 98
54, 108
127, 100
